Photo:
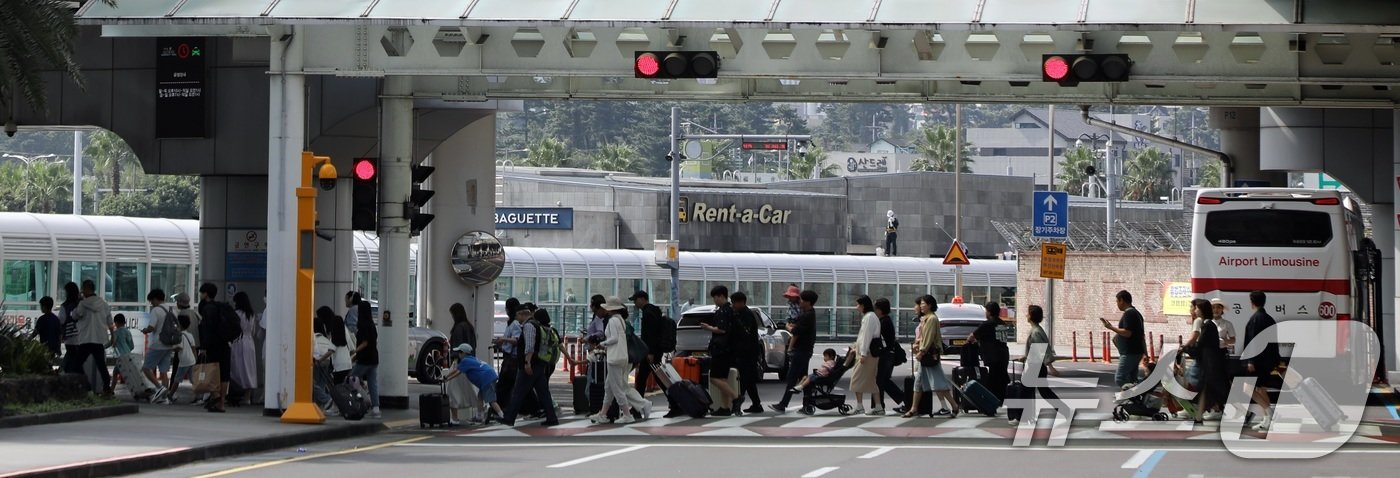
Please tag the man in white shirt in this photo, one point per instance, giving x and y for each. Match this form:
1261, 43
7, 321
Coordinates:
158, 354
95, 325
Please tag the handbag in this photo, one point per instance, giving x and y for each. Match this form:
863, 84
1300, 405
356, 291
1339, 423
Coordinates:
205, 378
929, 360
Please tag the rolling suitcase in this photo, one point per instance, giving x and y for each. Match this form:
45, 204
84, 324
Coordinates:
925, 400
714, 392
580, 388
129, 366
351, 400
597, 372
980, 398
435, 409
962, 374
690, 398
1319, 403
1017, 390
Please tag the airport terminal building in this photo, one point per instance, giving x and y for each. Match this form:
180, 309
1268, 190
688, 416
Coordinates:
598, 209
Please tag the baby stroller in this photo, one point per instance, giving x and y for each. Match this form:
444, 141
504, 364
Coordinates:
822, 392
1147, 404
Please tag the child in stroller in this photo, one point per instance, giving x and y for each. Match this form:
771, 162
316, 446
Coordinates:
820, 392
1147, 404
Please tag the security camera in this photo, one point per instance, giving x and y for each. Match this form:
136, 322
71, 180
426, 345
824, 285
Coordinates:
326, 175
11, 128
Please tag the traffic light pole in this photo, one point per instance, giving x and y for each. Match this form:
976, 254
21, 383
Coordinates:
675, 157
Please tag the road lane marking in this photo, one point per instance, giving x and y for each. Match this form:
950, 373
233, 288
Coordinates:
90, 463
1146, 469
1138, 459
599, 456
877, 452
258, 466
1125, 447
821, 471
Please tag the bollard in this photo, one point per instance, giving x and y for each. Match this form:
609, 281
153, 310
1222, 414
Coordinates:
1179, 343
1074, 346
1106, 357
1092, 358
1161, 343
1151, 350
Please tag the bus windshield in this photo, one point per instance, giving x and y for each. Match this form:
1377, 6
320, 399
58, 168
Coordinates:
1268, 228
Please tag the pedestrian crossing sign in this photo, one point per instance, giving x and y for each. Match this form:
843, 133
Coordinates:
956, 256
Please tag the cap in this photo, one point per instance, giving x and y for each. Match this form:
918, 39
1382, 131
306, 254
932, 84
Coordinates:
792, 292
614, 304
641, 294
182, 298
1216, 301
464, 348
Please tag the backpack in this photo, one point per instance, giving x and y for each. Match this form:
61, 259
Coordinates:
170, 329
229, 328
546, 344
668, 335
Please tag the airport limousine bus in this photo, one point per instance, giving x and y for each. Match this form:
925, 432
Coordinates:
1305, 249
129, 256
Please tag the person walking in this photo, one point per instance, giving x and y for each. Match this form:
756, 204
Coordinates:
1035, 316
48, 329
995, 354
460, 391
214, 347
1129, 338
157, 364
1213, 385
1227, 329
463, 331
243, 351
891, 354
748, 353
928, 351
724, 341
867, 363
1261, 366
357, 309
533, 373
509, 344
659, 336
366, 358
94, 317
71, 341
801, 341
615, 385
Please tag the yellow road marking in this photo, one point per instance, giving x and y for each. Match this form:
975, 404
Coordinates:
284, 461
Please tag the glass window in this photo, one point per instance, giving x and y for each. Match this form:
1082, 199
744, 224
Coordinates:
627, 286
548, 288
826, 323
371, 293
757, 292
76, 272
502, 287
27, 281
693, 293
942, 293
171, 278
125, 282
825, 295
976, 294
847, 292
885, 291
1268, 228
523, 289
575, 291
661, 293
412, 294
775, 296
362, 282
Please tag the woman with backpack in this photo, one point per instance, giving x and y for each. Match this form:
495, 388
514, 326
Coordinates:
615, 384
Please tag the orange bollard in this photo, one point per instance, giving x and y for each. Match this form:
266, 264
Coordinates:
1074, 346
1092, 358
1107, 358
1151, 350
1161, 343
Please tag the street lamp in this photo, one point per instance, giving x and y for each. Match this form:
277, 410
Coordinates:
1110, 174
28, 165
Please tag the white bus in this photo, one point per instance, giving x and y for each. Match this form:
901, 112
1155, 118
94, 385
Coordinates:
1305, 249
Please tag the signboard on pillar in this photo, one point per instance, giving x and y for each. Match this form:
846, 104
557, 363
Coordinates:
180, 87
1052, 260
245, 255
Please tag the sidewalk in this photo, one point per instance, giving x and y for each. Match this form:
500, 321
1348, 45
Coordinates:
162, 436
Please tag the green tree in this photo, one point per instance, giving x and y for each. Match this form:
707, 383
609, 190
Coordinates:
548, 153
35, 36
621, 157
938, 153
174, 197
1071, 172
12, 186
1208, 175
1148, 175
807, 166
111, 157
49, 187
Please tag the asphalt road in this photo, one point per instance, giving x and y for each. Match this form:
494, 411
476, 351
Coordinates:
428, 454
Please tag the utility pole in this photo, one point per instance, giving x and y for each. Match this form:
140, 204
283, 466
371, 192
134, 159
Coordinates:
77, 172
1050, 283
957, 194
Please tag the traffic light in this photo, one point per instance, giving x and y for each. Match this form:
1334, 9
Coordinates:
364, 214
1070, 70
665, 65
417, 197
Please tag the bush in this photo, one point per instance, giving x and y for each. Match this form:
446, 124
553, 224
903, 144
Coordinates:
21, 354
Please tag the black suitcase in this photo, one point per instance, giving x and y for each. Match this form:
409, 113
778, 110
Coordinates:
969, 356
925, 400
980, 398
1017, 390
597, 372
691, 399
435, 409
581, 399
962, 375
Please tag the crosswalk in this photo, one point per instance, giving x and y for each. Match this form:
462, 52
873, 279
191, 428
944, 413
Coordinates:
1088, 426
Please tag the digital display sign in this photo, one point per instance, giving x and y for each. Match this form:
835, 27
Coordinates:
764, 145
180, 88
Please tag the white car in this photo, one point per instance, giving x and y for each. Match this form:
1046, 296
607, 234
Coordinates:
693, 340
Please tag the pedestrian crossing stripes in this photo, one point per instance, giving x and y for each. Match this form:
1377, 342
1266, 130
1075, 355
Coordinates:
974, 427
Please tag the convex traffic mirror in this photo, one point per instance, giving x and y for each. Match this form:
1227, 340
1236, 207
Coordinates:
478, 258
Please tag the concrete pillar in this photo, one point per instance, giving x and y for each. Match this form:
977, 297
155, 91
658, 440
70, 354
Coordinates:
465, 157
1384, 233
395, 158
1239, 137
335, 259
287, 115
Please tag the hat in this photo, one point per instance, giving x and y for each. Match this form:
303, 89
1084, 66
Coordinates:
889, 213
464, 348
792, 292
182, 298
614, 304
1216, 301
641, 294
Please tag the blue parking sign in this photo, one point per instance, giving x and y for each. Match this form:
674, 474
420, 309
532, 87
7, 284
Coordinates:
1050, 215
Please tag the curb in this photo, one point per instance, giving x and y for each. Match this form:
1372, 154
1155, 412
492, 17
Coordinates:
69, 416
181, 456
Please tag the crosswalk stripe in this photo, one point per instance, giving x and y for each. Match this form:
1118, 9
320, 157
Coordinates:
964, 422
887, 422
615, 432
726, 432
812, 422
735, 422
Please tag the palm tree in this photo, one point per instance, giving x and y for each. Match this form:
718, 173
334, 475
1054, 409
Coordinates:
1071, 174
937, 151
1148, 175
1208, 176
12, 186
49, 184
548, 153
811, 165
35, 36
615, 157
110, 156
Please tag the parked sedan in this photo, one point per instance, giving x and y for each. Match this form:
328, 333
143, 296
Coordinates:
693, 340
956, 322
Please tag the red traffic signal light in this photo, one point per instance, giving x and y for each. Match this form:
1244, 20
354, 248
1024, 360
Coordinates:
661, 65
1070, 70
364, 169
